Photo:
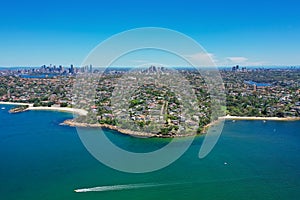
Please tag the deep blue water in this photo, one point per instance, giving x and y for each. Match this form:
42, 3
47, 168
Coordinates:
43, 160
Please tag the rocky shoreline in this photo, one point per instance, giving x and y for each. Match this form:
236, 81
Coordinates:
18, 109
71, 122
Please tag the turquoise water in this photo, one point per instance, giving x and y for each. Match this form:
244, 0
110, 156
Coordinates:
42, 160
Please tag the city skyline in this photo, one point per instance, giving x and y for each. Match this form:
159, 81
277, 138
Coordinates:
248, 33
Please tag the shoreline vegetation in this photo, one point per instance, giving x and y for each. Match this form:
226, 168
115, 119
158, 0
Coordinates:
153, 101
70, 122
28, 106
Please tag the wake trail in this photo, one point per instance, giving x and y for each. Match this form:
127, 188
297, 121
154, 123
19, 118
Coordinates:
148, 185
119, 187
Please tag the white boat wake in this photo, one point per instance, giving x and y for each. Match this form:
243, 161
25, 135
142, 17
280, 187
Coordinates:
148, 185
118, 187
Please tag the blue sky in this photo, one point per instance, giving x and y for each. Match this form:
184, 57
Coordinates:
254, 32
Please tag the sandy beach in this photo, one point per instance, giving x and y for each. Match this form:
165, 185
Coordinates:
17, 104
228, 117
60, 109
204, 131
136, 133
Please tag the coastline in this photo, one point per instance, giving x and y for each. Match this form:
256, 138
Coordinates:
16, 103
60, 109
72, 123
229, 117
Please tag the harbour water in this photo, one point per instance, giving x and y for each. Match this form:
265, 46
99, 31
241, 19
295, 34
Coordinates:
42, 160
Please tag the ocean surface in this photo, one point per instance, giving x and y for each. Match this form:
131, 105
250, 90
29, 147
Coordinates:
42, 160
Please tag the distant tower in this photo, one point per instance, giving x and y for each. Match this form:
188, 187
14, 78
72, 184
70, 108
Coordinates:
152, 69
254, 87
72, 69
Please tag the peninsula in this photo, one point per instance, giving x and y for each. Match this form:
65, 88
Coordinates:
153, 109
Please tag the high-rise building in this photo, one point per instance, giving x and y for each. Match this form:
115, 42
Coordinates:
71, 69
60, 68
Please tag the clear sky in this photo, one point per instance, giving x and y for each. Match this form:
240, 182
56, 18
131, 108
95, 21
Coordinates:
253, 32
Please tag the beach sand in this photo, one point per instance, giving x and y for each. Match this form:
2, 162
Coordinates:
228, 117
136, 133
17, 104
61, 109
